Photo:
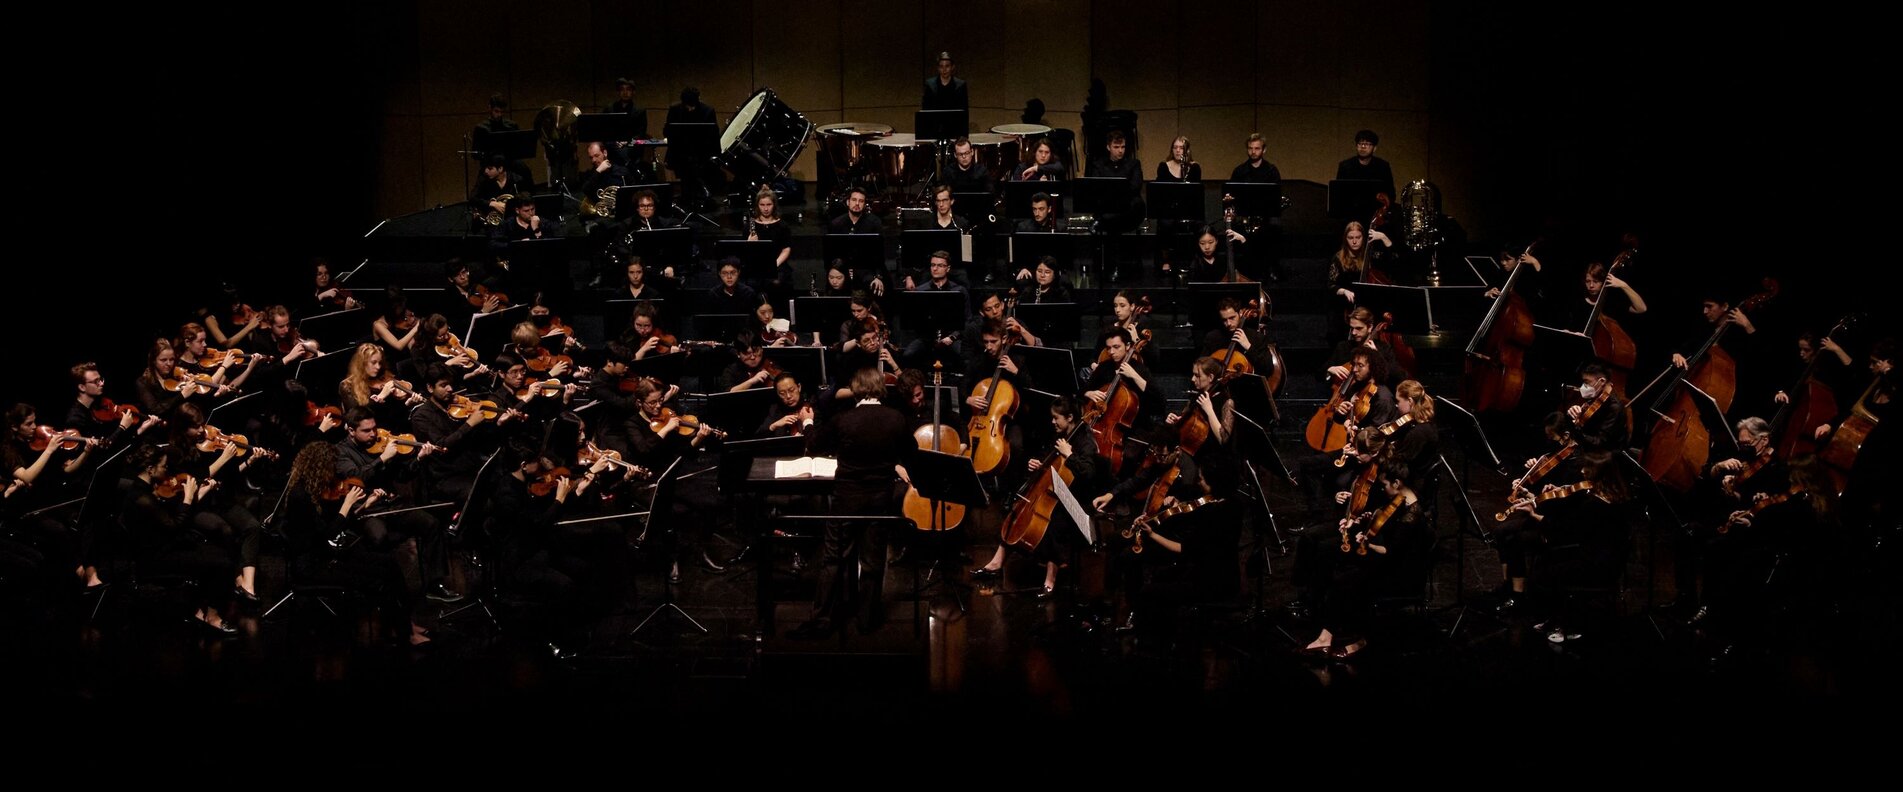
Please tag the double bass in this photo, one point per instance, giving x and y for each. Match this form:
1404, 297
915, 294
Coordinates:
927, 514
1675, 454
1611, 344
1496, 357
1839, 452
1811, 404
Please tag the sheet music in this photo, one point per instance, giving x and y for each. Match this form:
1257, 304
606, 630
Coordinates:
1077, 513
806, 467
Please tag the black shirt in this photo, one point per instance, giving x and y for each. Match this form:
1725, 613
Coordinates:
867, 223
1194, 173
867, 440
941, 96
1376, 170
742, 300
1263, 172
975, 179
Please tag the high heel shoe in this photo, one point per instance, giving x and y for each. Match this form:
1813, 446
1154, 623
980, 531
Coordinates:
985, 572
244, 596
224, 630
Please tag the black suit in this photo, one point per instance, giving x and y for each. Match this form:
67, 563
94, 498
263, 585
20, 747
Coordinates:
945, 97
867, 440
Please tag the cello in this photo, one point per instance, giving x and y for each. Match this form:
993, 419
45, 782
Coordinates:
1037, 500
1675, 453
1111, 418
1326, 430
1811, 404
989, 447
935, 515
1611, 344
1496, 357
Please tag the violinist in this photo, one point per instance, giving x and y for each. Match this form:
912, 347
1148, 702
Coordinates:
542, 315
238, 318
383, 471
525, 342
437, 347
397, 328
1607, 428
1510, 539
1077, 447
644, 336
161, 367
1361, 337
535, 558
863, 310
1729, 485
43, 478
730, 296
163, 539
654, 432
1573, 540
1417, 443
316, 510
616, 408
461, 300
1188, 558
278, 351
1776, 535
326, 295
772, 332
791, 414
432, 422
369, 383
750, 370
192, 348
1397, 540
90, 414
1248, 343
867, 439
226, 517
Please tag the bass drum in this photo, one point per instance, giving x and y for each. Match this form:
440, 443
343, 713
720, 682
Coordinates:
762, 140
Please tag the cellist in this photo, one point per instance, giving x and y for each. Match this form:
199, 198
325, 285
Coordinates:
1249, 343
1077, 448
1134, 375
1361, 336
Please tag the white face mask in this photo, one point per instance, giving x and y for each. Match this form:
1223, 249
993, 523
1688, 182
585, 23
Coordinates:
1589, 391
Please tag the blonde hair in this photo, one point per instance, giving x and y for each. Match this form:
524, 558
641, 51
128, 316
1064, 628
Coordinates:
358, 381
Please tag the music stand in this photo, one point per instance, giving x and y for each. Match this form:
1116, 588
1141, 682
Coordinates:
805, 363
1569, 349
1017, 197
251, 404
721, 327
1050, 368
1352, 199
925, 314
542, 262
666, 368
938, 125
1258, 199
864, 254
551, 207
490, 332
662, 508
916, 246
1056, 324
1026, 247
1461, 306
663, 247
513, 144
977, 207
1178, 201
609, 127
692, 146
1100, 195
756, 256
327, 369
942, 478
337, 329
738, 412
463, 517
1723, 442
1408, 304
821, 315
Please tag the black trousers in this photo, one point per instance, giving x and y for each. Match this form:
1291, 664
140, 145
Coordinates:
852, 578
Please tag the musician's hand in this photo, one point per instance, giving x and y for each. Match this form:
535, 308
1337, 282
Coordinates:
126, 420
1098, 503
153, 420
351, 498
1727, 482
1822, 429
910, 284
978, 403
1063, 447
426, 450
1338, 372
1572, 413
1027, 173
207, 486
1033, 465
1341, 497
1236, 236
1531, 462
878, 286
1741, 517
1240, 339
1010, 364
947, 341
229, 452
1528, 258
1493, 292
1377, 236
1782, 398
560, 368
1882, 367
1202, 400
1344, 407
476, 417
563, 486
1679, 360
1346, 294
1523, 506
1615, 281
1345, 523
491, 304
1172, 418
647, 346
1737, 317
221, 390
1095, 396
1728, 465
603, 166
671, 425
389, 452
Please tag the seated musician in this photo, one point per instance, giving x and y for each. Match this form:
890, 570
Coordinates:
461, 300
436, 348
1044, 165
460, 441
397, 327
616, 410
1208, 264
967, 174
1354, 261
771, 331
520, 222
161, 367
192, 346
163, 538
226, 518
1729, 484
1212, 405
862, 310
1043, 217
1505, 261
838, 283
640, 287
1248, 343
86, 414
326, 293
730, 296
315, 513
971, 344
1150, 402
1361, 336
1044, 286
1775, 536
1509, 537
41, 479
791, 415
643, 336
1607, 428
525, 342
1398, 554
871, 349
1076, 447
486, 197
525, 408
1622, 302
369, 385
1187, 559
547, 564
281, 344
647, 215
1575, 540
230, 321
750, 370
384, 471
548, 323
1118, 166
855, 220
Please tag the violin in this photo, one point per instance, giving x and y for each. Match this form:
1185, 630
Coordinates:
545, 389
340, 488
481, 295
183, 382
1749, 470
1534, 500
1796, 493
1378, 520
214, 359
666, 344
461, 407
545, 484
555, 326
68, 439
403, 390
216, 440
171, 486
292, 341
543, 360
105, 410
242, 315
689, 423
590, 454
340, 296
1385, 430
452, 347
405, 443
314, 414
1148, 522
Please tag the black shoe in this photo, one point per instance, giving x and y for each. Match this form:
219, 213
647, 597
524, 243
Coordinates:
982, 572
1046, 593
674, 573
1699, 616
441, 593
799, 563
741, 557
707, 562
244, 596
224, 630
1507, 604
814, 630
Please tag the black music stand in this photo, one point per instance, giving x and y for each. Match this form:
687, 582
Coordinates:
1017, 197
543, 263
738, 413
1353, 199
757, 266
944, 478
1100, 195
1051, 368
320, 374
1456, 308
514, 144
821, 315
1179, 201
663, 198
489, 333
662, 508
337, 329
1203, 296
1056, 324
926, 314
916, 246
864, 254
722, 327
692, 148
1723, 442
1028, 246
978, 207
1559, 349
1257, 199
666, 368
1408, 304
552, 208
805, 363
664, 247
940, 125
463, 517
618, 315
609, 127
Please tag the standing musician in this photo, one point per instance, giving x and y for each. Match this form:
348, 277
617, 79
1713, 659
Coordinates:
383, 471
1528, 286
1249, 343
1077, 447
1744, 347
1256, 169
944, 91
867, 439
1178, 167
1361, 337
1833, 371
638, 168
1624, 301
694, 168
1365, 166
765, 223
1385, 550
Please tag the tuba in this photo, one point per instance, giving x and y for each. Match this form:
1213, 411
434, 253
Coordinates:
555, 126
1420, 205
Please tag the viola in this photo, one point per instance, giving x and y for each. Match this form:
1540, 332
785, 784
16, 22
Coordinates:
171, 486
1533, 500
292, 341
403, 390
545, 484
340, 488
218, 441
405, 443
1149, 521
542, 360
314, 414
590, 454
544, 389
242, 315
340, 296
461, 407
452, 347
689, 423
183, 382
105, 410
1376, 522
481, 295
43, 436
